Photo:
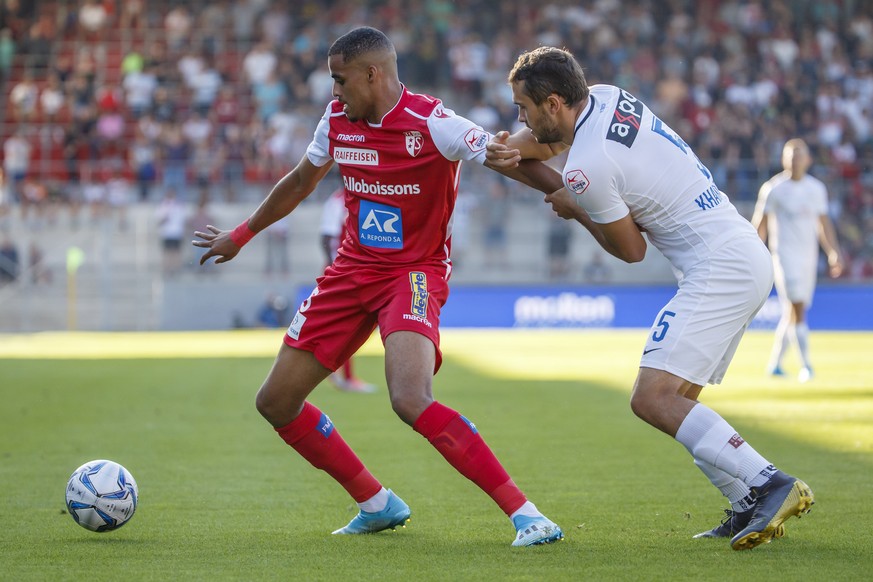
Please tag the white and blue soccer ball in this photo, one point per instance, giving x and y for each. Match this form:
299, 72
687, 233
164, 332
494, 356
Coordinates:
101, 495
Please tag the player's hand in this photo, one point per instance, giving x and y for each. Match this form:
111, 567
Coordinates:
498, 155
835, 267
219, 244
563, 203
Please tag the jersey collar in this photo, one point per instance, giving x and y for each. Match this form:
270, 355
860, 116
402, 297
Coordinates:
395, 111
586, 115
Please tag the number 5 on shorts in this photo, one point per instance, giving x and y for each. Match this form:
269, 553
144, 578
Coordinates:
663, 324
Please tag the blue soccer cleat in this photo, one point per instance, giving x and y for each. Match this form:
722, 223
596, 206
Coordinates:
776, 371
533, 531
395, 513
781, 497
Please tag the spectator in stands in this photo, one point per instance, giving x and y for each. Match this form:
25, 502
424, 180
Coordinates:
269, 96
199, 219
205, 86
197, 129
7, 52
560, 235
10, 263
226, 110
232, 160
496, 218
133, 16
93, 18
172, 217
273, 312
119, 195
52, 98
259, 64
177, 26
16, 163
143, 156
40, 273
163, 108
174, 158
597, 271
277, 259
139, 88
24, 97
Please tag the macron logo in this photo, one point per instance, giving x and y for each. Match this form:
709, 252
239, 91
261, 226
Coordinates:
351, 137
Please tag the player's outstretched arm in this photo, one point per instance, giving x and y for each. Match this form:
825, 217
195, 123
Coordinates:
622, 238
283, 198
506, 151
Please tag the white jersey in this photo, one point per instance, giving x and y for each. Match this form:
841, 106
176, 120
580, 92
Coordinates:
626, 160
333, 215
793, 209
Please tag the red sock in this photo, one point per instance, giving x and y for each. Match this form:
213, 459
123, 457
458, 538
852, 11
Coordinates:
313, 435
457, 439
347, 370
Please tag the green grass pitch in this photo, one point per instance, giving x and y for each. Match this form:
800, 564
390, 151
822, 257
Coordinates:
223, 498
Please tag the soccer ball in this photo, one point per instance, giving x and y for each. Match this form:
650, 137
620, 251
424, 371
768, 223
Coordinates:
101, 495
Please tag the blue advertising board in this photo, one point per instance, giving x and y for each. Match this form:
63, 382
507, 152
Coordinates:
835, 307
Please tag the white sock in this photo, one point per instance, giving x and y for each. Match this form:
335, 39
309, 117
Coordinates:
378, 502
528, 509
709, 437
780, 344
737, 492
802, 332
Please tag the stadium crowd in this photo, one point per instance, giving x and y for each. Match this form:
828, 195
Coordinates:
104, 101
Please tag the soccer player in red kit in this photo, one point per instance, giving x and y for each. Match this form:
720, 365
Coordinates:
399, 155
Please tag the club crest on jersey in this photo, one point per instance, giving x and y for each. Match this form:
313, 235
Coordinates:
414, 141
577, 181
476, 139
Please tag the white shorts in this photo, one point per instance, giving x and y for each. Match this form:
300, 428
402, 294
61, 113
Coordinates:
697, 333
795, 282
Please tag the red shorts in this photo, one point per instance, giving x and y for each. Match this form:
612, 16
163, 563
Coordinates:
349, 302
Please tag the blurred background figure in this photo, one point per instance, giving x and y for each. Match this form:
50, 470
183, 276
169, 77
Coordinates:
792, 216
332, 229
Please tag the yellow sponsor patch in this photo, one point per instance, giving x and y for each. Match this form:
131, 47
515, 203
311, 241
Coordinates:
418, 282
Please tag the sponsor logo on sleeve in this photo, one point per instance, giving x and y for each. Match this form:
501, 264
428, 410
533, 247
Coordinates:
476, 139
441, 113
380, 225
577, 181
296, 325
625, 124
356, 156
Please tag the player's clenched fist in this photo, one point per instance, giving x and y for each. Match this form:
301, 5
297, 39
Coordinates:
498, 155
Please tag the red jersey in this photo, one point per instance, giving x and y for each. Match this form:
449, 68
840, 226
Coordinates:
400, 178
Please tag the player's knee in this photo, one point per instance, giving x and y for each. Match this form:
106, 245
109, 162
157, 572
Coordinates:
639, 403
409, 408
271, 409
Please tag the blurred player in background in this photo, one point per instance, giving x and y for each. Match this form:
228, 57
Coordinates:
792, 216
333, 219
627, 173
399, 156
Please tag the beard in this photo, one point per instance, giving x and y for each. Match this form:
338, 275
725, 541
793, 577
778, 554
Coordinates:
546, 133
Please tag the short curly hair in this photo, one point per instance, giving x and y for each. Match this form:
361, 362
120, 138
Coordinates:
547, 70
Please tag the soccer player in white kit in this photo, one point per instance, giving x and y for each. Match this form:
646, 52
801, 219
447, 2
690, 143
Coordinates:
792, 216
627, 173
